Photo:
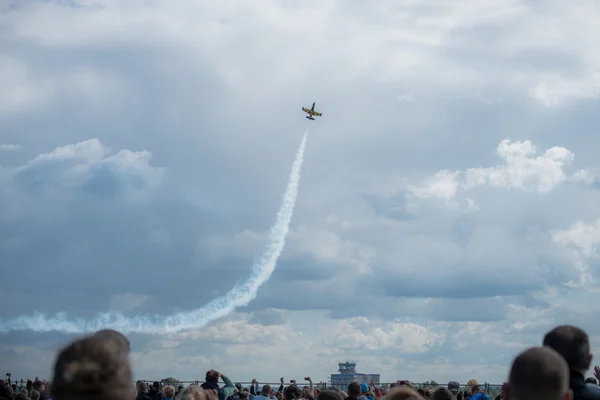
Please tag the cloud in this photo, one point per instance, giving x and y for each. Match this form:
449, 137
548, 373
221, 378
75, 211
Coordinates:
10, 147
446, 217
522, 170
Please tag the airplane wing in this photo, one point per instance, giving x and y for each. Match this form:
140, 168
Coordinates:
318, 114
305, 109
313, 107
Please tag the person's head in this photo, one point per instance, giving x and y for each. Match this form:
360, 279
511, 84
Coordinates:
93, 368
572, 344
403, 393
330, 395
212, 376
354, 389
292, 392
37, 385
140, 387
20, 396
169, 392
364, 388
118, 338
591, 380
454, 387
476, 389
34, 395
442, 394
539, 373
279, 395
266, 390
193, 392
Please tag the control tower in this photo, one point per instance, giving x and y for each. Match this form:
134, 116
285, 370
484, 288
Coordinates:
347, 374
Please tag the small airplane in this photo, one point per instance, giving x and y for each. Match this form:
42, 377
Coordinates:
311, 112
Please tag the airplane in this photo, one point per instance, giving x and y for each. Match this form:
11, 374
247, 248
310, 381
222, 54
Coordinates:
311, 112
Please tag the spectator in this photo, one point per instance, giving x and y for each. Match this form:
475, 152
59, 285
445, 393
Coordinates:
264, 393
442, 394
211, 384
118, 338
403, 393
38, 385
93, 369
591, 380
169, 392
353, 391
478, 393
365, 394
538, 373
154, 393
34, 395
454, 388
573, 345
192, 392
330, 395
142, 391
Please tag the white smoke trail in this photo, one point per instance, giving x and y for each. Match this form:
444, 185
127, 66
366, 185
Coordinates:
240, 295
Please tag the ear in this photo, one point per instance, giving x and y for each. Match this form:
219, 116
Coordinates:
568, 395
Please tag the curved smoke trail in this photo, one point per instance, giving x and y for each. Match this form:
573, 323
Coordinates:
240, 295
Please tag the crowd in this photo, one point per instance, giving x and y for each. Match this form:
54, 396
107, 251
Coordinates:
97, 367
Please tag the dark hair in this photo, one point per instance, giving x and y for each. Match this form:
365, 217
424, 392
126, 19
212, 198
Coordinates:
212, 376
92, 368
442, 394
572, 344
354, 389
117, 337
266, 389
538, 373
292, 392
329, 395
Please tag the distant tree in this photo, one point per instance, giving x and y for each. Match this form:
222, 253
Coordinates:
431, 384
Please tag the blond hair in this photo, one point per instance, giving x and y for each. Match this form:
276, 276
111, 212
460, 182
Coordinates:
169, 392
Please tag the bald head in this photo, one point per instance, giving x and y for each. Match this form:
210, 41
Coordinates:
539, 373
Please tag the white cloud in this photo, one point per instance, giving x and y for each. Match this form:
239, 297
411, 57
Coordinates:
522, 170
405, 337
443, 185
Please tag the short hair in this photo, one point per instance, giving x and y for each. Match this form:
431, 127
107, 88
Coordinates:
94, 368
266, 389
169, 391
442, 394
329, 395
192, 392
292, 392
538, 373
354, 389
212, 376
112, 335
591, 379
34, 395
403, 393
571, 343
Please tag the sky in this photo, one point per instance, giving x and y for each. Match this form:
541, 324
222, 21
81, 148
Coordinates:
447, 212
